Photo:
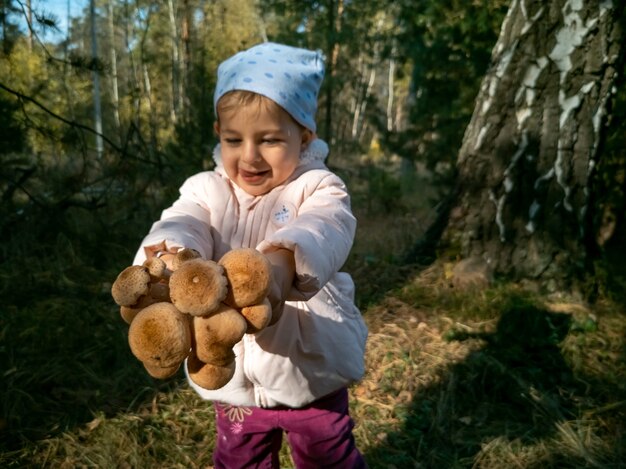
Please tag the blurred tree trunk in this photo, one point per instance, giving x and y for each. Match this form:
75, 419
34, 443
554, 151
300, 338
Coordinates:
113, 57
175, 68
525, 195
186, 38
390, 89
96, 80
335, 13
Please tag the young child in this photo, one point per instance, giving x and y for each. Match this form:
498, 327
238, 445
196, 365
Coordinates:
271, 191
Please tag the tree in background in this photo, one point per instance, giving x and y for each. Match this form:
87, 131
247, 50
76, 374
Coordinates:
155, 64
527, 200
403, 78
442, 50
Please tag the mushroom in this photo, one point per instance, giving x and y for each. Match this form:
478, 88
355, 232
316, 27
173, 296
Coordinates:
197, 287
130, 285
207, 375
129, 313
160, 336
159, 372
184, 255
157, 269
216, 334
248, 273
257, 317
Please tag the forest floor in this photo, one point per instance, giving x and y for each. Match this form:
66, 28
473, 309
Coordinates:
501, 377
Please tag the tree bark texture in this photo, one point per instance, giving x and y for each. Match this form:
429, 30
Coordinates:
525, 167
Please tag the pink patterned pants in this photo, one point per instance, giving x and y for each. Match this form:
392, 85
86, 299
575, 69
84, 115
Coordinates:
319, 435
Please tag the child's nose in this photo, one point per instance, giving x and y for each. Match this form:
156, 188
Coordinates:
250, 153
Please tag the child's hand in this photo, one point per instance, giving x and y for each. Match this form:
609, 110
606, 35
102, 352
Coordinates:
283, 272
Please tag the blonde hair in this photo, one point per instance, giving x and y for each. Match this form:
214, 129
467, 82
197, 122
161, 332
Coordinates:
238, 98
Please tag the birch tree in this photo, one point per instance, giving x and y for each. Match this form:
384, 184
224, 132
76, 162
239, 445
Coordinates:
525, 200
96, 80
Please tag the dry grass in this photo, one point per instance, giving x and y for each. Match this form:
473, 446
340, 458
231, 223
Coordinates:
478, 380
447, 385
489, 379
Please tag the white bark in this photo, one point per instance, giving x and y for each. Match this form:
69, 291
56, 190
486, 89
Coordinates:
113, 58
96, 81
529, 152
175, 62
390, 92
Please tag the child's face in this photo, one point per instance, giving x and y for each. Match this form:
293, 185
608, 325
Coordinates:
260, 146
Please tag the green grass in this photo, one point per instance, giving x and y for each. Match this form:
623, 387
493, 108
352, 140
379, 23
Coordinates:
497, 378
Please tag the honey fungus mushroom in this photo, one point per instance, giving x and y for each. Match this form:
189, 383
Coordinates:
160, 336
184, 255
257, 317
160, 372
249, 274
199, 309
130, 285
198, 287
215, 335
157, 269
207, 375
137, 287
129, 313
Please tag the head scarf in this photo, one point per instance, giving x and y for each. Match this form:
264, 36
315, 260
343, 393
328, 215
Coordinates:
289, 76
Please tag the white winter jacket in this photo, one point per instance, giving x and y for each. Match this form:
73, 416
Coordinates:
318, 344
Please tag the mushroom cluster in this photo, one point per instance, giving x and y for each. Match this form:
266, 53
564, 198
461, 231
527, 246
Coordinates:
197, 311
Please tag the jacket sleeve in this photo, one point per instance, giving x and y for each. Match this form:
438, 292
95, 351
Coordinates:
321, 236
187, 223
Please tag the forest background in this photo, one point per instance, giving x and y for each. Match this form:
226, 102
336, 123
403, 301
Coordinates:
102, 121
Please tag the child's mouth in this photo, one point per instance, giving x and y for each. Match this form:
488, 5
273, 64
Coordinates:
250, 176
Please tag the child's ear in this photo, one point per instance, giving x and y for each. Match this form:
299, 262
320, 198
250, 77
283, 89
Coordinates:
216, 127
307, 137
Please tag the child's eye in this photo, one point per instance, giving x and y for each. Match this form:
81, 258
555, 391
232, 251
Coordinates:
271, 141
232, 141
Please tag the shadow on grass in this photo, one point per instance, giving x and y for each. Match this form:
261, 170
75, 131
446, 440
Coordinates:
515, 391
65, 357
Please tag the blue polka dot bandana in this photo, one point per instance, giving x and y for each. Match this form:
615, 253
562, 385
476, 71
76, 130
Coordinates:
287, 75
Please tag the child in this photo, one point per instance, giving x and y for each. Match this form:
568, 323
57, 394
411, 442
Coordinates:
271, 191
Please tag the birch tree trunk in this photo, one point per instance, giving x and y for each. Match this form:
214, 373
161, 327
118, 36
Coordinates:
525, 193
113, 57
185, 82
96, 81
390, 90
175, 62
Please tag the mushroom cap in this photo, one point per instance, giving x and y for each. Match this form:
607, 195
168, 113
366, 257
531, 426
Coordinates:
248, 273
225, 327
159, 372
128, 313
209, 376
157, 269
257, 317
197, 287
184, 255
215, 354
160, 335
131, 284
